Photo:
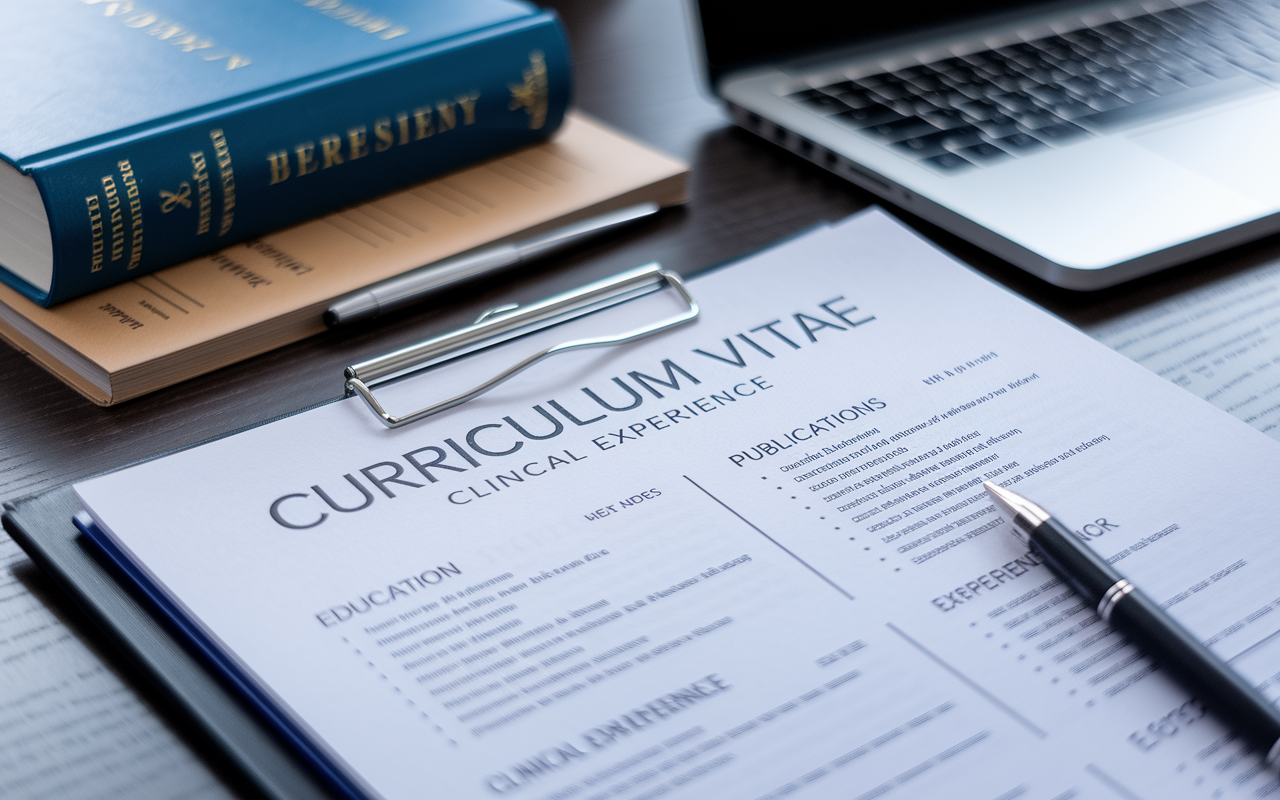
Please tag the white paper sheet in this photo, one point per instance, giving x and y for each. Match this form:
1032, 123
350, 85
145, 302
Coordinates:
1219, 342
775, 574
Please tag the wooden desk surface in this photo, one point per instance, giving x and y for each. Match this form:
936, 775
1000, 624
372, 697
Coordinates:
636, 71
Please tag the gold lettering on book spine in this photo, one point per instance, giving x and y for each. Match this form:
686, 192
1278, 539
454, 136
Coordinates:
331, 150
534, 93
171, 200
388, 132
95, 231
422, 125
358, 146
279, 161
134, 197
402, 119
382, 132
467, 102
222, 154
204, 196
306, 153
115, 216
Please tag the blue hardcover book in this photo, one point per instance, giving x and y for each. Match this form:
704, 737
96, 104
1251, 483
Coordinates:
134, 136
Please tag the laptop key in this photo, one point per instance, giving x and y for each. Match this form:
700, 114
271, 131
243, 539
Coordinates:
899, 130
1105, 101
953, 64
867, 81
983, 152
1082, 85
974, 91
957, 99
945, 119
823, 104
1060, 133
918, 107
926, 83
1070, 109
942, 99
838, 88
1163, 85
857, 99
909, 73
936, 144
1015, 101
947, 162
998, 126
808, 96
1085, 40
1135, 94
909, 106
979, 110
958, 74
1194, 77
960, 138
1144, 27
892, 91
869, 116
1033, 121
1220, 69
1018, 143
1048, 95
1078, 66
1007, 83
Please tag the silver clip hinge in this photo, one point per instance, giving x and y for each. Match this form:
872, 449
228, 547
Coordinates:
510, 321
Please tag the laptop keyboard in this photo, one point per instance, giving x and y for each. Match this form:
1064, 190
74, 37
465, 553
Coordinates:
981, 108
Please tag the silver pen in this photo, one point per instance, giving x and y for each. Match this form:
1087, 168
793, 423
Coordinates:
419, 284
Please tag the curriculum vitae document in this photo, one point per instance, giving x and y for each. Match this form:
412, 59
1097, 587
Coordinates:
748, 558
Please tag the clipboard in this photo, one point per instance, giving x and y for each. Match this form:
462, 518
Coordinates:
149, 647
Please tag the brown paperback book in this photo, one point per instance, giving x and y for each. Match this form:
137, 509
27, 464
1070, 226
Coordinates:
187, 320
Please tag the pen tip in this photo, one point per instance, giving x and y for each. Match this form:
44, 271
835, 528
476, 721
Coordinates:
1024, 514
1006, 500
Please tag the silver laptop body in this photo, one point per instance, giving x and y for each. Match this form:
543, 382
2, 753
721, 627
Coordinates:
1087, 144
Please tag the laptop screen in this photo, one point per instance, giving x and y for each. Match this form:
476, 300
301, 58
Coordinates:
737, 34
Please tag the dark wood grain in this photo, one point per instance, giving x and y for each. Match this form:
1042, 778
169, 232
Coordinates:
636, 71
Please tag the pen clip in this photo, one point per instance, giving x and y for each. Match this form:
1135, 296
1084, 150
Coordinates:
510, 321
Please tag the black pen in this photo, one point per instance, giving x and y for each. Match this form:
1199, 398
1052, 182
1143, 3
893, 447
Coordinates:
1138, 617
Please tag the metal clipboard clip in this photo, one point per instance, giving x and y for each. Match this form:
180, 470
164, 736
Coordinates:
501, 324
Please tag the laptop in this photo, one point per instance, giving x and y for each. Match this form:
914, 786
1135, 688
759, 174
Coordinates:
1088, 143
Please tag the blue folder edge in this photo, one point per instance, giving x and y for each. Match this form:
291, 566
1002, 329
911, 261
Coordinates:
218, 661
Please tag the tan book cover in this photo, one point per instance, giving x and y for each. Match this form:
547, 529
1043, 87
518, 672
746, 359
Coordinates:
193, 318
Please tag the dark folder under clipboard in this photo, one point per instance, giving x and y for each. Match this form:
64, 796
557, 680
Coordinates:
150, 647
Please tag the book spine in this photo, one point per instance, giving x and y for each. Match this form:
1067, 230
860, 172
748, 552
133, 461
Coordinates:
188, 187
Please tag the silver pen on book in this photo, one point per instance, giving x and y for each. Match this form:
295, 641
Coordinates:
423, 282
1130, 611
